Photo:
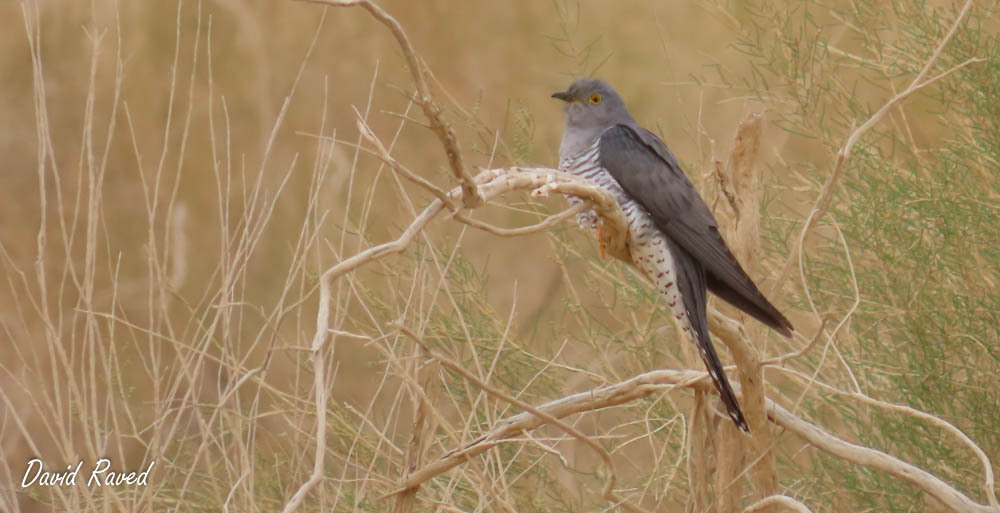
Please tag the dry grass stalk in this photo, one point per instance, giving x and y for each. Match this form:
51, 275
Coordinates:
424, 368
665, 380
491, 183
608, 492
701, 454
180, 365
744, 197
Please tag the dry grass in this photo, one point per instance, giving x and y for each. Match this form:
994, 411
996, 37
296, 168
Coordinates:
190, 184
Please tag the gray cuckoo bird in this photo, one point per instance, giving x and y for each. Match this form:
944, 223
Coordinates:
673, 239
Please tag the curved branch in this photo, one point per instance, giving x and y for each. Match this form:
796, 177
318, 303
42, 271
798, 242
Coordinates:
823, 201
491, 183
778, 500
544, 224
383, 154
989, 482
648, 383
471, 197
871, 458
596, 399
609, 464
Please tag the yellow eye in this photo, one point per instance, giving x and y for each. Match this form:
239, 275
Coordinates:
595, 99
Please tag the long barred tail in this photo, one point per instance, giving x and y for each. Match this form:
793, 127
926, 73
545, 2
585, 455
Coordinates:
683, 282
692, 285
715, 370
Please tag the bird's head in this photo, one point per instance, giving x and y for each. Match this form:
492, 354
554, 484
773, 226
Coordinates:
592, 103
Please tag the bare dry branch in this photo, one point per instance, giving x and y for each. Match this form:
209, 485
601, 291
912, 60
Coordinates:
871, 458
747, 190
608, 491
989, 482
741, 185
493, 182
591, 400
822, 203
647, 383
778, 500
731, 450
471, 198
544, 224
384, 155
489, 184
780, 360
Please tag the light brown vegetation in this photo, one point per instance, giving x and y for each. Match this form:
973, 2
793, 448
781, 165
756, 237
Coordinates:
300, 336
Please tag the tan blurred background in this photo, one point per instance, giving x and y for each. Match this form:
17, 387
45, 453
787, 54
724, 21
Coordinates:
499, 62
205, 83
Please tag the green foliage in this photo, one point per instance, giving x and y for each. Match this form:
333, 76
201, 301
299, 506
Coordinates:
918, 208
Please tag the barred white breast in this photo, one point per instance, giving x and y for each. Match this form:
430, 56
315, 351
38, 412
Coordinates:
647, 244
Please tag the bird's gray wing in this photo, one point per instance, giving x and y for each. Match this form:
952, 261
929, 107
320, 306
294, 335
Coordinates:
649, 173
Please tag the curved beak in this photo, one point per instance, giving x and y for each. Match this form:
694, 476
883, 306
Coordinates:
563, 95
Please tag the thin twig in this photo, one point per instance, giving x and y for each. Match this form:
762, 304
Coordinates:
608, 491
493, 182
989, 482
471, 197
780, 360
648, 383
822, 203
871, 458
384, 155
544, 224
